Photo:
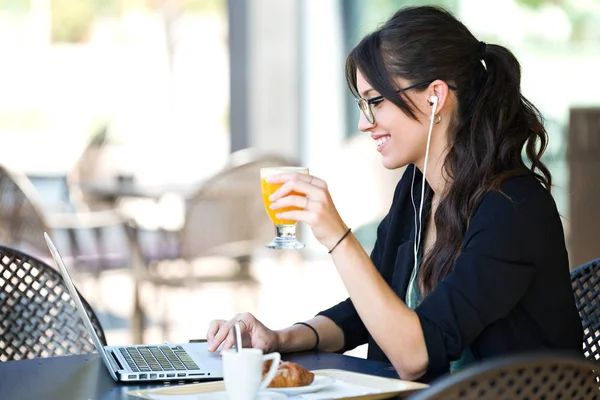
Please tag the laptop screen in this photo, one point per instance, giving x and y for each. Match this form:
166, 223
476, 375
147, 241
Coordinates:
77, 300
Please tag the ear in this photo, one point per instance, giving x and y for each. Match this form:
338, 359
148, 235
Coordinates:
438, 89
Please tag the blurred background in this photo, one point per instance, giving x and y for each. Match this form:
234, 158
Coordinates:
133, 131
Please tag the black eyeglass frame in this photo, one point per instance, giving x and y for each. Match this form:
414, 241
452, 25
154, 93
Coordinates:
365, 104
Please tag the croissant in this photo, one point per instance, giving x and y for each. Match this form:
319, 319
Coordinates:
288, 374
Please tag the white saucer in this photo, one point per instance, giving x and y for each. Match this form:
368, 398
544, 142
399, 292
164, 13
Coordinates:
318, 383
264, 395
270, 396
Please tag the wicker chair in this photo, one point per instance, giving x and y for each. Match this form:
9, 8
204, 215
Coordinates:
37, 316
224, 220
521, 377
95, 240
22, 220
585, 280
226, 217
87, 169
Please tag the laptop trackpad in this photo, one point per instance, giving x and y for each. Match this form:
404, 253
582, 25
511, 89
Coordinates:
207, 361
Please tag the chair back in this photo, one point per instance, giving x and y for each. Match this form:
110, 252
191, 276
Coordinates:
37, 315
585, 280
227, 215
525, 376
22, 220
86, 170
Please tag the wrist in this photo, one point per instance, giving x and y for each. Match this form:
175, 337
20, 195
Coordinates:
282, 341
340, 241
333, 238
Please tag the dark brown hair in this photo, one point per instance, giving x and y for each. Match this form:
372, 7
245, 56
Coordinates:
492, 125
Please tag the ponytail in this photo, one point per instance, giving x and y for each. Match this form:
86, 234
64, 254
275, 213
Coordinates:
509, 125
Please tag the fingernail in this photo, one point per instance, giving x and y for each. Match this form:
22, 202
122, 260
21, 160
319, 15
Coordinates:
271, 197
272, 207
269, 179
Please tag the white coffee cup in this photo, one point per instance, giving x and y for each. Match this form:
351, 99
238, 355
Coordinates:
243, 372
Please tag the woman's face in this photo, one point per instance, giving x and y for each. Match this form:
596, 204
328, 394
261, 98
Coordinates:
400, 139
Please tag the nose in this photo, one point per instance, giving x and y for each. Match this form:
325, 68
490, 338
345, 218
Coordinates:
363, 124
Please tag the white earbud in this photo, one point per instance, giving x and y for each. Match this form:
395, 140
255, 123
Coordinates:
433, 101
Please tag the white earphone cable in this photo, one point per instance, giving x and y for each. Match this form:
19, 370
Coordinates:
419, 225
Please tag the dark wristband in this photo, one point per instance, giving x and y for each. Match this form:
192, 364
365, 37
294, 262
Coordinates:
340, 241
314, 330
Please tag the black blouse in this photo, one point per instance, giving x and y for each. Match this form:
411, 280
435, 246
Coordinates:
509, 291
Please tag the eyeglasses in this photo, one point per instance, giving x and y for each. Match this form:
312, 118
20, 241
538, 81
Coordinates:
366, 105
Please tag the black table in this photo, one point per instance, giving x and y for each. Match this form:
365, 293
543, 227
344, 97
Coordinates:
85, 377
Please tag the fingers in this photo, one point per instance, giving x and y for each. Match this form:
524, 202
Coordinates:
220, 336
213, 329
290, 201
229, 341
222, 332
298, 186
297, 215
308, 211
245, 322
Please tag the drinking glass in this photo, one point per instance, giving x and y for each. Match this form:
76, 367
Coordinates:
285, 230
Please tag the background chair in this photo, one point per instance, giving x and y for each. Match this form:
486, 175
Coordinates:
22, 220
224, 225
90, 242
226, 217
37, 316
521, 377
87, 169
96, 240
585, 280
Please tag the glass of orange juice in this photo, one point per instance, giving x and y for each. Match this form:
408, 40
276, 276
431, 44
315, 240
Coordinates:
285, 230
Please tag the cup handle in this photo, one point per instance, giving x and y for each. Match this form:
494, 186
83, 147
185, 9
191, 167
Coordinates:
276, 357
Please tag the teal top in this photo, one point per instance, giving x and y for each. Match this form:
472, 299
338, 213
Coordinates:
414, 298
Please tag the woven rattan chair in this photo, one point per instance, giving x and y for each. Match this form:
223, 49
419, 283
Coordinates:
95, 240
225, 218
88, 169
22, 220
585, 280
37, 316
521, 377
225, 222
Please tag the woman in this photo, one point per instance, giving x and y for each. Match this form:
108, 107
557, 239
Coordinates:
486, 272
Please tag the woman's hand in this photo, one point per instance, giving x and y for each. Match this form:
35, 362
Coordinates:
316, 207
254, 334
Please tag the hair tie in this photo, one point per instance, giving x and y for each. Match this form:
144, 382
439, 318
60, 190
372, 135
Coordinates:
342, 238
482, 49
316, 346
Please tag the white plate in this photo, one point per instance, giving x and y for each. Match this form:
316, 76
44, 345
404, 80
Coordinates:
264, 395
318, 383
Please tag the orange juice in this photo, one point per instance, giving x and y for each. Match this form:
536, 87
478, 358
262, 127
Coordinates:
269, 188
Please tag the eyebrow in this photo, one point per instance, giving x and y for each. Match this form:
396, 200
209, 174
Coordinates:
364, 94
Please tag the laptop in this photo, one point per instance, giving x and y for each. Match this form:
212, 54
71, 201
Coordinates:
148, 363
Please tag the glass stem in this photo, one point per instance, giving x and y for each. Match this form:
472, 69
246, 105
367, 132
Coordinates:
285, 232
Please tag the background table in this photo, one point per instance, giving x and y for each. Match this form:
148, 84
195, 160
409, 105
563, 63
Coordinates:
85, 377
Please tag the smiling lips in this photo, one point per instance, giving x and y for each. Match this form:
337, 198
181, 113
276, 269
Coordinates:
381, 141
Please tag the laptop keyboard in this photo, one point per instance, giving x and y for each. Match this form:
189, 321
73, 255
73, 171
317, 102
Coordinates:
157, 358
